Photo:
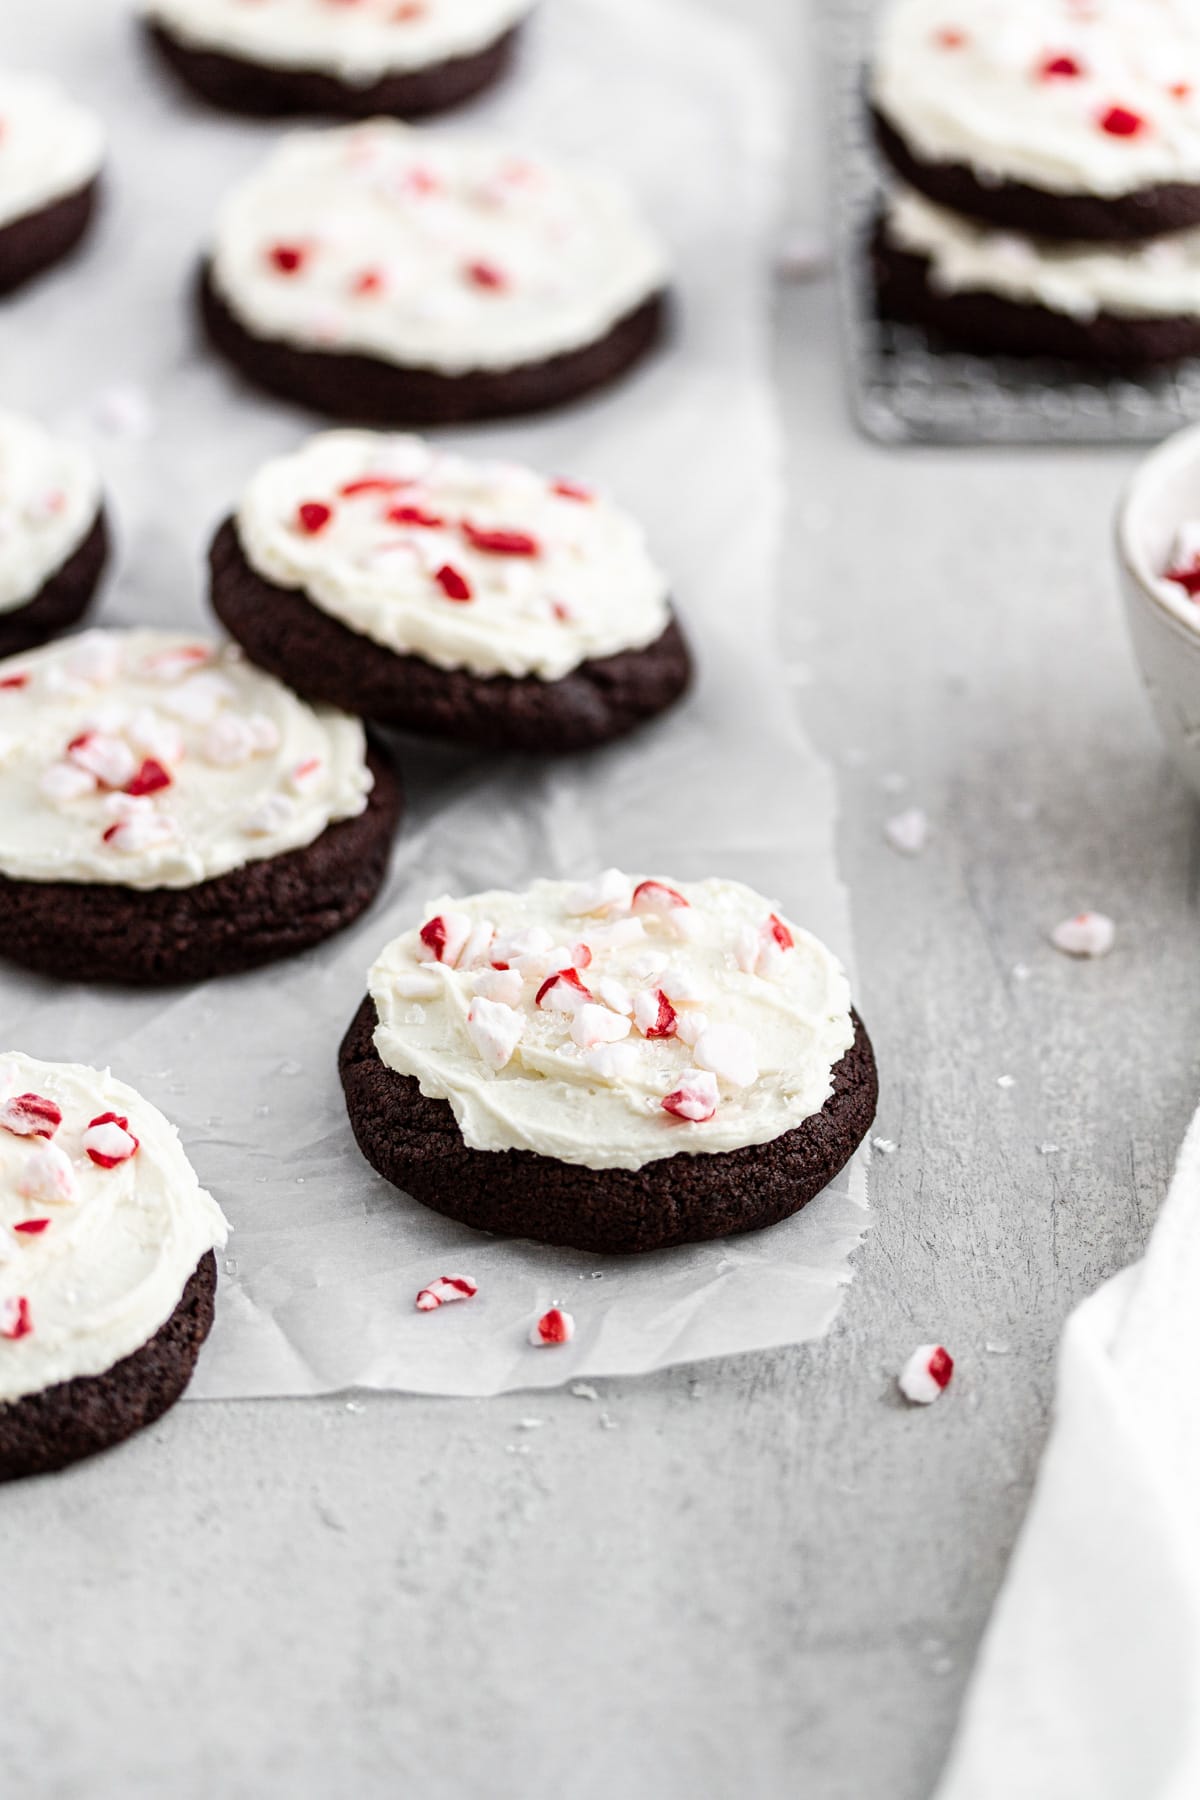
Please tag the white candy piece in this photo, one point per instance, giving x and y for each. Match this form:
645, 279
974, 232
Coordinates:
109, 1142
646, 1008
200, 698
1087, 934
95, 660
456, 929
608, 892
563, 997
308, 775
683, 988
138, 825
478, 946
504, 985
613, 994
597, 1025
108, 759
47, 1175
155, 736
690, 1025
908, 832
925, 1375
495, 1031
728, 1052
696, 1097
230, 741
63, 782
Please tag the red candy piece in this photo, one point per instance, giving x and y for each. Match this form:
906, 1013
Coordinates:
655, 896
501, 543
691, 1102
941, 1366
369, 282
582, 955
555, 1327
1188, 579
119, 1153
571, 490
1057, 68
1180, 90
780, 933
452, 584
950, 38
287, 258
664, 1025
486, 275
31, 1227
14, 681
313, 516
1118, 121
30, 1115
568, 977
433, 936
414, 515
445, 1291
15, 1321
150, 778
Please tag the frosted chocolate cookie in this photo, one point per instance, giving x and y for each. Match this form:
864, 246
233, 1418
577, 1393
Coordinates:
51, 151
621, 1066
53, 539
388, 276
1046, 116
403, 57
1116, 305
169, 813
475, 601
107, 1273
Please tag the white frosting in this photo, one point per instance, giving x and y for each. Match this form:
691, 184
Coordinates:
433, 252
754, 1016
357, 41
96, 1281
49, 146
967, 81
1160, 279
49, 498
568, 579
225, 764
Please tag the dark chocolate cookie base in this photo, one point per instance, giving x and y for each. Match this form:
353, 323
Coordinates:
366, 390
35, 242
318, 656
62, 600
93, 932
1014, 206
991, 325
74, 1419
235, 85
416, 1144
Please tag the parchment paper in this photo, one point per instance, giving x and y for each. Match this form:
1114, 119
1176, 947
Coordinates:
326, 1259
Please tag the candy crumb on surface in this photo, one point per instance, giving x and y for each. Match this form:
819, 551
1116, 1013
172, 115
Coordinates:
554, 1327
1087, 934
926, 1374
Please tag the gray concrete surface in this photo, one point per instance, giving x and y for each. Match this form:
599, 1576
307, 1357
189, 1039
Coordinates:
765, 1578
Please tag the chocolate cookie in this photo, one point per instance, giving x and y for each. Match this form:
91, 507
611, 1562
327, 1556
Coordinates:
992, 325
285, 633
1016, 206
416, 1144
45, 1431
367, 390
253, 88
276, 907
34, 243
62, 600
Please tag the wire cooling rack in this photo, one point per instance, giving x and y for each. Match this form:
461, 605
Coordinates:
906, 390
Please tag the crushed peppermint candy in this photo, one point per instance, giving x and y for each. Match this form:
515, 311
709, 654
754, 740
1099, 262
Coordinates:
31, 1115
47, 1175
554, 1327
108, 1141
15, 1318
447, 1290
926, 1374
696, 1099
1087, 934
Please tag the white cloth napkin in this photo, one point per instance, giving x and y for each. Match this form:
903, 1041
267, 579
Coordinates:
1088, 1684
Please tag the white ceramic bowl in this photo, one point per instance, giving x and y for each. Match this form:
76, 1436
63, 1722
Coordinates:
1164, 495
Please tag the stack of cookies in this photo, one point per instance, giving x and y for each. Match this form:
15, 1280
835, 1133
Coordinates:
1047, 164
